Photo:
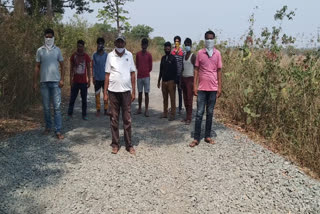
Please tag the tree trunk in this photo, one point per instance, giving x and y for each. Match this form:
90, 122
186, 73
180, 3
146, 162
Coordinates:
18, 7
118, 19
49, 9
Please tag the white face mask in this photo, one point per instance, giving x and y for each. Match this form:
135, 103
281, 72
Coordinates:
209, 44
49, 42
120, 50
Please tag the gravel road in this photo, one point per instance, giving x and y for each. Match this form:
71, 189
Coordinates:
38, 174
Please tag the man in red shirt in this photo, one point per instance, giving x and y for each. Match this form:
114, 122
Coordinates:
144, 67
79, 78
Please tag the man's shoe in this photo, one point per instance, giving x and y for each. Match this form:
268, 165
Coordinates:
85, 117
98, 113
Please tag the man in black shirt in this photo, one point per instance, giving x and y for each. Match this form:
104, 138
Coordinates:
168, 74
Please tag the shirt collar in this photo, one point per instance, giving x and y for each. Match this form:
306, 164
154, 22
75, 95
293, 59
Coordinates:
43, 46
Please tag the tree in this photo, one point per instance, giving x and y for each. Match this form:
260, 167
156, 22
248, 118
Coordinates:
114, 12
141, 31
18, 7
57, 6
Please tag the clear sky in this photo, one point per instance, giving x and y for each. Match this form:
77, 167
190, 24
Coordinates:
228, 18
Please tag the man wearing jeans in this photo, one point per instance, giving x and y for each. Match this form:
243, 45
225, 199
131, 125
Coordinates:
207, 86
120, 82
48, 59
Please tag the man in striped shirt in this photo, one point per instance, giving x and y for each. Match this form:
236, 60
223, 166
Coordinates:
177, 52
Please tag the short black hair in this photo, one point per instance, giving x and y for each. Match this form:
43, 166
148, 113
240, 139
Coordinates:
48, 30
100, 40
187, 40
81, 42
144, 41
167, 44
210, 32
177, 37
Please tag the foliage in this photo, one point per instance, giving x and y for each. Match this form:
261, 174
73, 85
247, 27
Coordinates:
141, 31
276, 92
114, 11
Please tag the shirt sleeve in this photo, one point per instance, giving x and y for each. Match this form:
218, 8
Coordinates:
108, 65
219, 61
197, 60
60, 58
38, 58
132, 66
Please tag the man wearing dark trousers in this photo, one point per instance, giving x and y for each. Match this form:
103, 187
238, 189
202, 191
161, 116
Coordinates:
120, 90
79, 78
207, 86
177, 52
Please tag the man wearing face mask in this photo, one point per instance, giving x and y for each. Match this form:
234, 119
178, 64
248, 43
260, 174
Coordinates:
168, 75
99, 66
79, 78
120, 91
187, 79
207, 86
48, 59
177, 52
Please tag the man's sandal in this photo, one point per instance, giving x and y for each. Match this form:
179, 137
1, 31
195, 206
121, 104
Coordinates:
209, 140
59, 136
194, 143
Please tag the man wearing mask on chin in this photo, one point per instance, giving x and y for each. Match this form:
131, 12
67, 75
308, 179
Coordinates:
48, 59
99, 60
119, 89
207, 86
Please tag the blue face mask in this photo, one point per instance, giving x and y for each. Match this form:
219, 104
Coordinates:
187, 48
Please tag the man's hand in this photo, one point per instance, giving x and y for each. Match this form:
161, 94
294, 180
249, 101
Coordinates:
219, 92
61, 84
105, 97
195, 91
88, 84
133, 96
158, 84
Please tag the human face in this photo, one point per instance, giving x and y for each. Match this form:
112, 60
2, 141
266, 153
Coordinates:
177, 43
120, 43
80, 48
209, 37
144, 47
167, 50
48, 35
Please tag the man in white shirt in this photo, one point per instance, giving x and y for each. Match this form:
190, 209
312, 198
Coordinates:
120, 91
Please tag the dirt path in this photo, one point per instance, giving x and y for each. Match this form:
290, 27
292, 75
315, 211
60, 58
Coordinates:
80, 175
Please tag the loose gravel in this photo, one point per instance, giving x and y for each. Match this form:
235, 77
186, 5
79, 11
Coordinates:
39, 174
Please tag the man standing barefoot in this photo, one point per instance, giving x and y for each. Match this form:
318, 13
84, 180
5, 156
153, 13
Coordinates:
207, 86
119, 89
144, 67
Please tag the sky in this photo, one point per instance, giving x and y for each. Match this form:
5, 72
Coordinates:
227, 18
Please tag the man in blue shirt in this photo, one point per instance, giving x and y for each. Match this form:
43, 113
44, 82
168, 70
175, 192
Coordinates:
48, 59
99, 63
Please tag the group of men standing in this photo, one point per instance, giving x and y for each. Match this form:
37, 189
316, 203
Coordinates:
114, 72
